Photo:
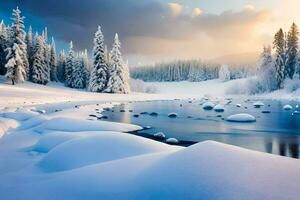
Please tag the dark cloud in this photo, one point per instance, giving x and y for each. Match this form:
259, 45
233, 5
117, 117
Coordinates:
146, 27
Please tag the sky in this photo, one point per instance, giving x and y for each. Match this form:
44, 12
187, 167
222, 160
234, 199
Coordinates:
161, 30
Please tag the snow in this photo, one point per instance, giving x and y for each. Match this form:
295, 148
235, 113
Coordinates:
287, 107
242, 117
208, 105
71, 125
63, 155
172, 141
159, 135
6, 124
258, 104
172, 115
103, 147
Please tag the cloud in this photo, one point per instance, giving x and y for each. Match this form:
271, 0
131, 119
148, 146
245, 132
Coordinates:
175, 8
196, 12
148, 27
249, 7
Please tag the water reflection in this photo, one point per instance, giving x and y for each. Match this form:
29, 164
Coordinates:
276, 132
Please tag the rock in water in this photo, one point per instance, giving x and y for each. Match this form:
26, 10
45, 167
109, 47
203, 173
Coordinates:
287, 107
208, 106
242, 117
219, 108
159, 135
172, 115
172, 141
258, 104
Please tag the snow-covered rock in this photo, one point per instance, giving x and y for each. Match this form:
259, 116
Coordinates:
69, 124
242, 117
172, 141
287, 107
238, 105
208, 105
258, 104
159, 135
172, 115
99, 148
219, 108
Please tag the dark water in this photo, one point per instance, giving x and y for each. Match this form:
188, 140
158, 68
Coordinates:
277, 132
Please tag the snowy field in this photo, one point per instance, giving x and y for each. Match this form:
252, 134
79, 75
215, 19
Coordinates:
60, 152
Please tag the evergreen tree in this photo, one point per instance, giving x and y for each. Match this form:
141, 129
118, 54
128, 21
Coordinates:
99, 76
80, 72
266, 71
30, 49
224, 73
18, 37
69, 66
4, 43
15, 66
117, 73
39, 67
280, 59
292, 51
61, 66
53, 64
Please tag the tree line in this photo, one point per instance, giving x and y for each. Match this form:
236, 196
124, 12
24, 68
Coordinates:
186, 70
24, 57
280, 62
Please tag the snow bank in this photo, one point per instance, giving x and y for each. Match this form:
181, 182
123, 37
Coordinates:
20, 115
207, 170
97, 149
49, 141
242, 117
70, 125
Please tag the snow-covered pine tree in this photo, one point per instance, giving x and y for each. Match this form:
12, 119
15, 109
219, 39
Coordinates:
266, 71
15, 66
18, 37
99, 76
30, 49
292, 51
61, 66
224, 73
118, 71
53, 63
86, 65
70, 60
280, 60
79, 78
4, 43
39, 67
47, 49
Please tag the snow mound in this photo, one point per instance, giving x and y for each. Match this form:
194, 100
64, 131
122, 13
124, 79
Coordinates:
219, 108
287, 107
159, 135
208, 105
172, 141
242, 117
70, 125
100, 148
6, 124
49, 141
20, 115
258, 104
